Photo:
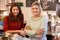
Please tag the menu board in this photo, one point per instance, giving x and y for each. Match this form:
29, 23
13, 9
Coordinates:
48, 4
29, 2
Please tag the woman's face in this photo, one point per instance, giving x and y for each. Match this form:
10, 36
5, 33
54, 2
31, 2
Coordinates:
15, 11
35, 10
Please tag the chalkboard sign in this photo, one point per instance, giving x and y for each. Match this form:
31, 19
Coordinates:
29, 2
48, 4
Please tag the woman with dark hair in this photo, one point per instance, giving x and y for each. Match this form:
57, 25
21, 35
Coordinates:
14, 23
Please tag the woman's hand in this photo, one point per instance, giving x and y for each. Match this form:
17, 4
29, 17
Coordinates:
22, 33
28, 28
40, 31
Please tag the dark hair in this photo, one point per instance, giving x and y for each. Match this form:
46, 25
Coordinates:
19, 17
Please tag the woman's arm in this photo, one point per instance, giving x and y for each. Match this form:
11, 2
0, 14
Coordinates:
5, 24
21, 32
13, 31
29, 31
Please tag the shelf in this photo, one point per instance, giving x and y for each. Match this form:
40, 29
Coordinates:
19, 3
2, 10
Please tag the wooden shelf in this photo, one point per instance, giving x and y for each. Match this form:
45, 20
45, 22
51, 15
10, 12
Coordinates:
19, 3
2, 10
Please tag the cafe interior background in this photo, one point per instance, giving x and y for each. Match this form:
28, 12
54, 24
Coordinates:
50, 9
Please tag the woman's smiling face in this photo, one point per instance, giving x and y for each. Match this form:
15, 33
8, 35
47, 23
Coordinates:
35, 10
15, 11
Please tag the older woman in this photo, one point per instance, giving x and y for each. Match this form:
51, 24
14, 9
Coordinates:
36, 26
